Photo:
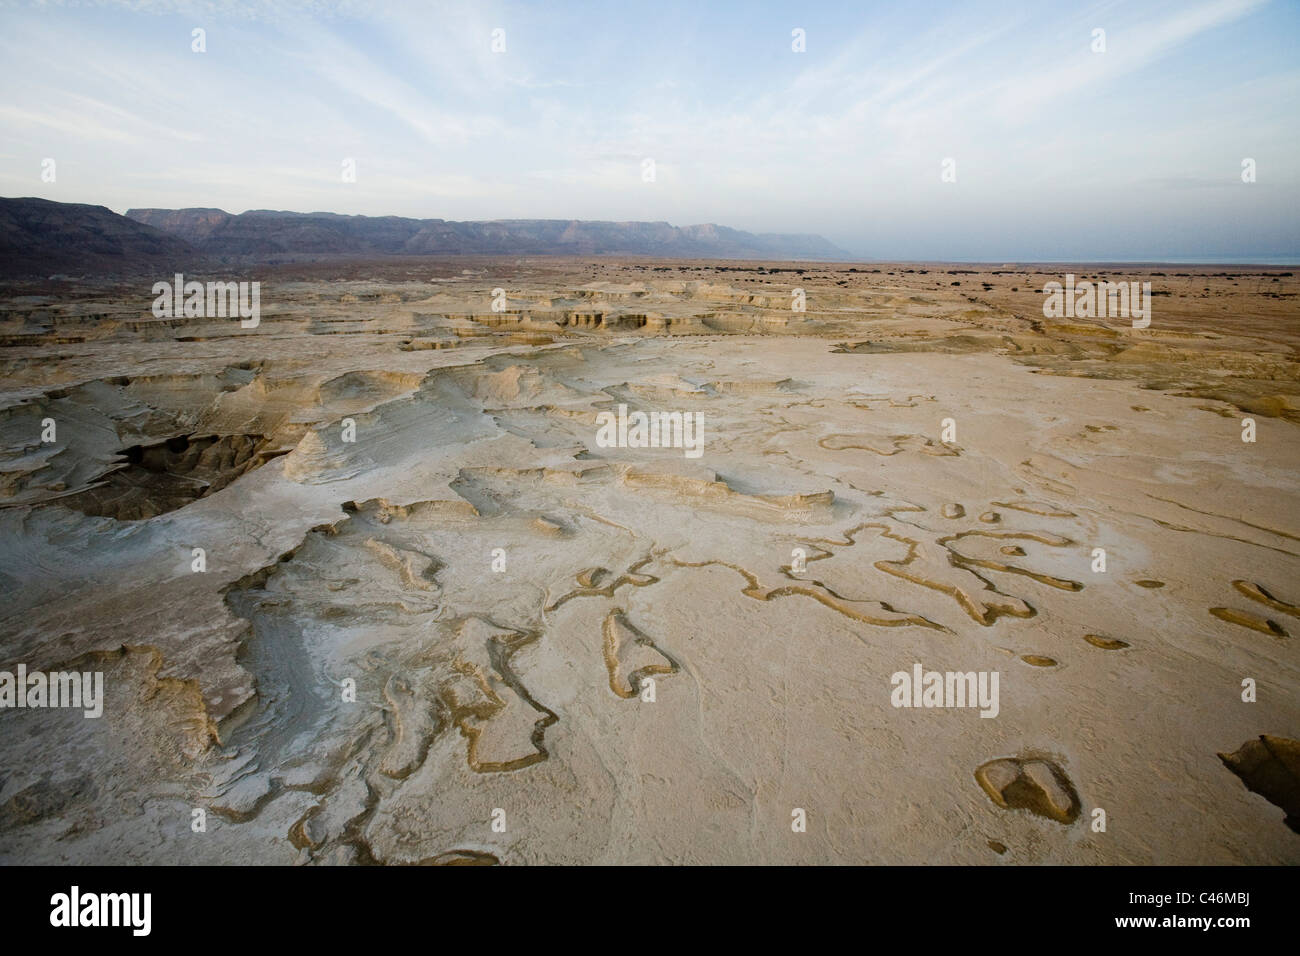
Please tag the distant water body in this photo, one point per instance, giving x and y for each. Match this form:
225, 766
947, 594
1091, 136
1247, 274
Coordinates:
1196, 262
1245, 261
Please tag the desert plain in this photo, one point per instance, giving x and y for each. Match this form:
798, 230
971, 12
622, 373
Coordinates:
365, 587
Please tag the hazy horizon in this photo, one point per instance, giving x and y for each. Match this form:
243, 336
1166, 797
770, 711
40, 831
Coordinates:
1060, 153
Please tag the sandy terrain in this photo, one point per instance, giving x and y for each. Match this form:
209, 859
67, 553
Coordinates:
431, 643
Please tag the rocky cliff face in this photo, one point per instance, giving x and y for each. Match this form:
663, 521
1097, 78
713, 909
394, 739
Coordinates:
192, 225
39, 238
269, 233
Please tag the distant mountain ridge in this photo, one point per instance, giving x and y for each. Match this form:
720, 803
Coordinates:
39, 237
263, 232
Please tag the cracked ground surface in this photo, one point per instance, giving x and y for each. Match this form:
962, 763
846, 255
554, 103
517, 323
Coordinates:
455, 613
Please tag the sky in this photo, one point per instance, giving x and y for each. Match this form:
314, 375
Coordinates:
1058, 149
